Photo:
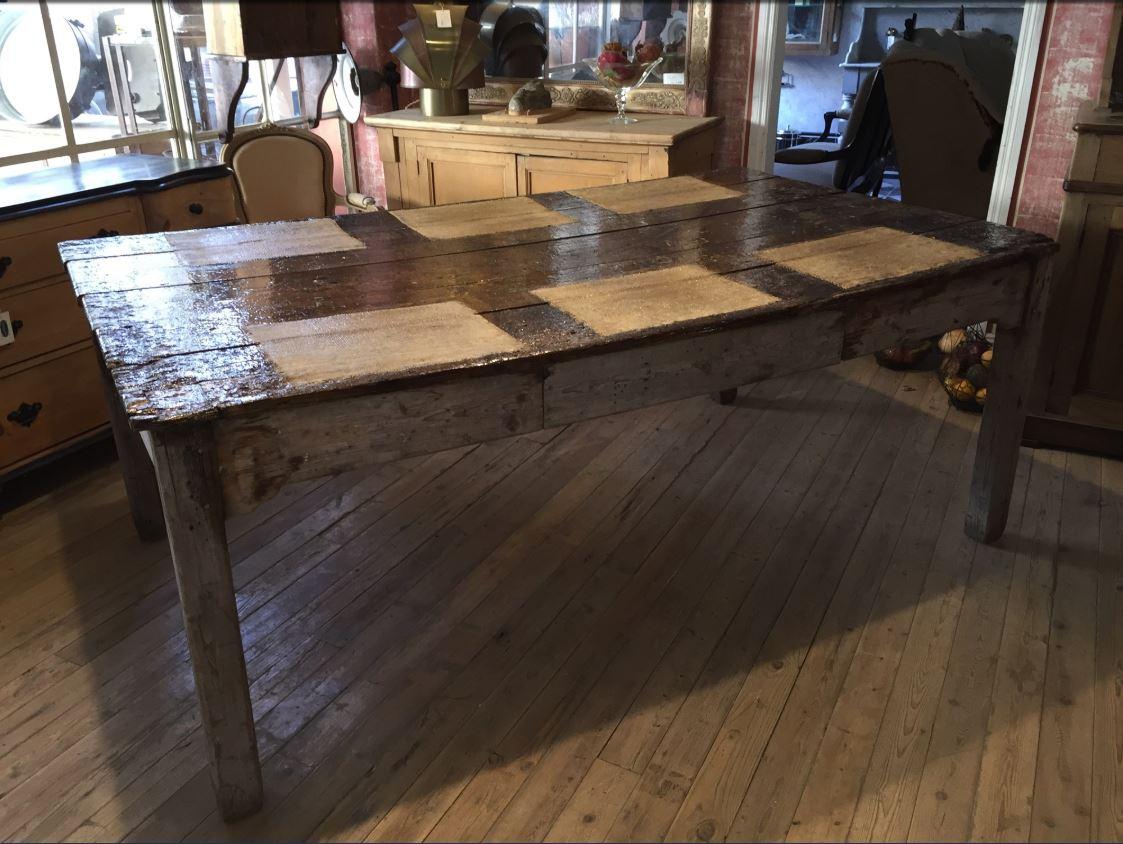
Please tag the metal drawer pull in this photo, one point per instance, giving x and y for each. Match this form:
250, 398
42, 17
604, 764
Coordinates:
107, 233
5, 262
25, 414
195, 208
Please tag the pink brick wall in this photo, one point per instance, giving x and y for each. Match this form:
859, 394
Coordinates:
1069, 70
370, 30
731, 62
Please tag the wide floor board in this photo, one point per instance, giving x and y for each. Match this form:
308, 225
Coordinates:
696, 621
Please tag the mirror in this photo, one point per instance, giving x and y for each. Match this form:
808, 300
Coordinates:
552, 39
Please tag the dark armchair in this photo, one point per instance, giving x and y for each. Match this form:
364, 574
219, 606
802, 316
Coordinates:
857, 162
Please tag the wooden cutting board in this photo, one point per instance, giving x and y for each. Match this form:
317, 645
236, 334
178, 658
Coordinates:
531, 118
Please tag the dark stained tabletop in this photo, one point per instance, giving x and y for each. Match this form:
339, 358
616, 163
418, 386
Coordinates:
51, 187
213, 322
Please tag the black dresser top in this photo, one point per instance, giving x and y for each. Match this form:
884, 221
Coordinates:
69, 184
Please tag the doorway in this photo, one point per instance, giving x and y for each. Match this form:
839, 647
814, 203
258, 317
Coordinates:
812, 57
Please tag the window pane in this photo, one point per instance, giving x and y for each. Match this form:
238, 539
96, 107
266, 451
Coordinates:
281, 88
194, 64
110, 62
29, 109
31, 166
208, 149
164, 147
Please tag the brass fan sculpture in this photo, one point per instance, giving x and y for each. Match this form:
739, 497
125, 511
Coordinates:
442, 50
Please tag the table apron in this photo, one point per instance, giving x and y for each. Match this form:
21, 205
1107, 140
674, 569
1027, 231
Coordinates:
260, 452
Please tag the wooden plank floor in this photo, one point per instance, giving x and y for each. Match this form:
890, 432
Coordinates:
696, 622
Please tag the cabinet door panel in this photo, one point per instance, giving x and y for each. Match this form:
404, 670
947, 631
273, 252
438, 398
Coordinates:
544, 174
464, 175
1102, 366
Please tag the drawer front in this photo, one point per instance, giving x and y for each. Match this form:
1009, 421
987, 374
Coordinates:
197, 205
33, 255
45, 406
44, 319
543, 174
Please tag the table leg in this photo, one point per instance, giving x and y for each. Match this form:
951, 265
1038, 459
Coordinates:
136, 467
189, 486
1012, 372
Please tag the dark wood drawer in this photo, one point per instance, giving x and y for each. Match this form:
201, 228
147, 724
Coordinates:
49, 405
44, 318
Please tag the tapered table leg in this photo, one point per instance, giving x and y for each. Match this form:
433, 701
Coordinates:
1009, 385
189, 487
136, 468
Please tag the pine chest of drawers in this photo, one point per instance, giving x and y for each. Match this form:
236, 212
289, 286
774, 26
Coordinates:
50, 386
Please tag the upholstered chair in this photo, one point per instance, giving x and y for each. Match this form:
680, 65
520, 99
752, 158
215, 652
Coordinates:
284, 173
947, 101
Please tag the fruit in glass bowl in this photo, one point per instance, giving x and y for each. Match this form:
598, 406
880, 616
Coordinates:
620, 79
614, 64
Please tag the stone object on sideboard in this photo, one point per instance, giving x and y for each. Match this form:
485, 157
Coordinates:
532, 95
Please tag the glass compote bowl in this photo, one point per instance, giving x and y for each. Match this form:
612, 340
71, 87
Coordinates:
621, 78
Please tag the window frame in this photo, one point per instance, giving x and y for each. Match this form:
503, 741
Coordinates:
182, 134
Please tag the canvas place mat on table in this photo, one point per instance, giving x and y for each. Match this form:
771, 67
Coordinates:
383, 343
653, 298
858, 257
649, 195
490, 216
261, 241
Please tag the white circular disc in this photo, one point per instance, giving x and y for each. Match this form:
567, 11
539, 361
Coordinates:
349, 100
26, 77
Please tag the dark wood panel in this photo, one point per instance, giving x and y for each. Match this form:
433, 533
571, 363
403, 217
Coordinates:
66, 184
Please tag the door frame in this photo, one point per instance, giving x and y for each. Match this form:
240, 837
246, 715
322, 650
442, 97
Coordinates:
1009, 161
763, 106
764, 100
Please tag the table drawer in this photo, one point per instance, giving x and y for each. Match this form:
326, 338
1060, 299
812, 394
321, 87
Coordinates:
197, 205
45, 406
30, 253
44, 318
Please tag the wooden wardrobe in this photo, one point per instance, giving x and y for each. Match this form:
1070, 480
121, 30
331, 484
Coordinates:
1081, 401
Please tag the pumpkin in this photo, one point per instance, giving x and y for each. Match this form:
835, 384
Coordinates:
985, 357
977, 374
952, 339
959, 389
981, 396
950, 367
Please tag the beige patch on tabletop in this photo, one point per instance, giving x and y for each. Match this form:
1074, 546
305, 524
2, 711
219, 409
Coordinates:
649, 195
854, 258
653, 298
471, 219
394, 341
260, 241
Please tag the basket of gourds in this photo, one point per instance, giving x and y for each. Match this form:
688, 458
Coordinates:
965, 367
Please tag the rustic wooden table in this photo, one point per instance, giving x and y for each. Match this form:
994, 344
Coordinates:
241, 359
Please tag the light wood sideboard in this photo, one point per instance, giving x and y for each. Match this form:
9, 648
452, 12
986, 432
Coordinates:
442, 160
51, 395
